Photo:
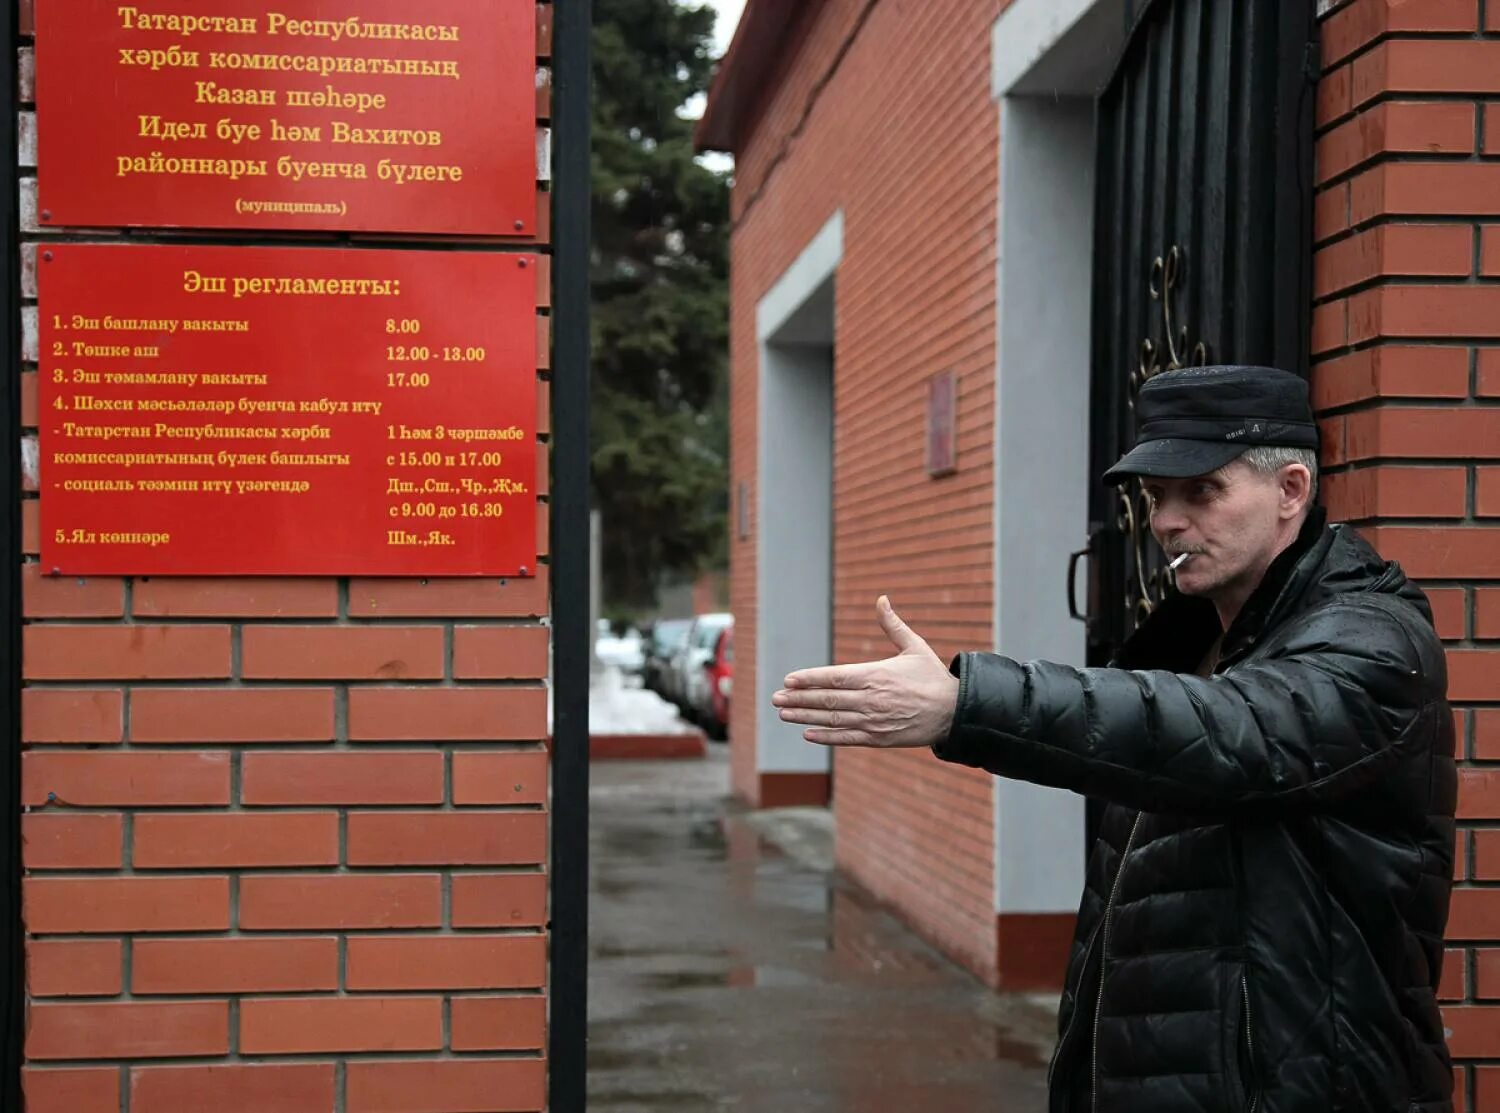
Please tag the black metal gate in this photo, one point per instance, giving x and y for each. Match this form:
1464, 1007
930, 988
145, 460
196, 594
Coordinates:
1203, 239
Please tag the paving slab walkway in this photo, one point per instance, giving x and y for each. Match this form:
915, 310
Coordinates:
730, 973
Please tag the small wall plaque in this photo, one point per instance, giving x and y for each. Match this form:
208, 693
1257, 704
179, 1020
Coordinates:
942, 424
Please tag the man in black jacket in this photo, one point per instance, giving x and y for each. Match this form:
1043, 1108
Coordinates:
1262, 925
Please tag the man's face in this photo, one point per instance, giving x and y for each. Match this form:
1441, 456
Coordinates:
1233, 520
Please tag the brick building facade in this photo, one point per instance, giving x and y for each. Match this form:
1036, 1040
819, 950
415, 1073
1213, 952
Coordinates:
285, 840
884, 154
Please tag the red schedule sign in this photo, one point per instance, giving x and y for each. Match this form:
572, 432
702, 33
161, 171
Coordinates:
274, 411
359, 115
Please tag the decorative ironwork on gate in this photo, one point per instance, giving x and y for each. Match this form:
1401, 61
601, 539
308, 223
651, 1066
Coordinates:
1203, 240
1149, 580
1166, 273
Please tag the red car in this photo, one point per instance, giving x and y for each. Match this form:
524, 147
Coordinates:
720, 669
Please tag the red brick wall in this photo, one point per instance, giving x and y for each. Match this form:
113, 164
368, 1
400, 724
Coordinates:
854, 124
1406, 371
271, 818
760, 251
1407, 376
710, 592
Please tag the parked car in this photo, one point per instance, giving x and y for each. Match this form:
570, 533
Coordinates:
691, 679
720, 671
666, 637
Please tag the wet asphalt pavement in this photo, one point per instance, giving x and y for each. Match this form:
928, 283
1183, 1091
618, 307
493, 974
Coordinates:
726, 974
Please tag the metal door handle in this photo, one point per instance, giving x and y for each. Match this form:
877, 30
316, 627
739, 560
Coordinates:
1073, 560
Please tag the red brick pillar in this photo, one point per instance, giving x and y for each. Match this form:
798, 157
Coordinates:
1407, 377
288, 835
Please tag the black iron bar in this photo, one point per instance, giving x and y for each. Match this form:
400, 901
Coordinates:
568, 1022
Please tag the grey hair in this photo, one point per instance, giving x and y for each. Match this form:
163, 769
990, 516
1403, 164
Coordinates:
1268, 459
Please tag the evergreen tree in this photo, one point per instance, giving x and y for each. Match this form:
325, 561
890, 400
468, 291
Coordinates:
660, 301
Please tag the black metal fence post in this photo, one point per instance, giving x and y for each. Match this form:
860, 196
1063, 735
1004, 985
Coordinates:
568, 1025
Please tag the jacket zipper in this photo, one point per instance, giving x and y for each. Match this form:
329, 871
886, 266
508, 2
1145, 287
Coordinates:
1250, 1040
1109, 909
1088, 951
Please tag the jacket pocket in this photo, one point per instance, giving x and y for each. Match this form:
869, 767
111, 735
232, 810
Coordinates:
1242, 1077
1245, 1045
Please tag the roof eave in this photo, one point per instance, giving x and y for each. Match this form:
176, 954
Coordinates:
742, 72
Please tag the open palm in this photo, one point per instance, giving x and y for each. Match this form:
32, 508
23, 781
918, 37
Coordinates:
903, 701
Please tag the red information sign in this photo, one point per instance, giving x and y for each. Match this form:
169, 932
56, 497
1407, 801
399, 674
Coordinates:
273, 411
365, 115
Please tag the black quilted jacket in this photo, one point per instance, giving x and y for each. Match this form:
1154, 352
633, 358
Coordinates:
1263, 920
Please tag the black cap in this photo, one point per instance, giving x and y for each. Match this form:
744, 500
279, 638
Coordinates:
1195, 420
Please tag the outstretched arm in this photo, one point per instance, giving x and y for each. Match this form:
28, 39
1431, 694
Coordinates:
1320, 718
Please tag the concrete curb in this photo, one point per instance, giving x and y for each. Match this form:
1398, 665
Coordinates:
647, 747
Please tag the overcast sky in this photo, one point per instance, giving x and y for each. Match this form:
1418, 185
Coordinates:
729, 18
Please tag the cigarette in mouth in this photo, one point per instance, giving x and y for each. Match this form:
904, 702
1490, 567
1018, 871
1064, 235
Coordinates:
1180, 561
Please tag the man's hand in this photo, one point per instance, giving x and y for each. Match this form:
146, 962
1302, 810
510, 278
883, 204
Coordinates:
904, 701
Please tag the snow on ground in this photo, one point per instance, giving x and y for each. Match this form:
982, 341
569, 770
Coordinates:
617, 707
627, 653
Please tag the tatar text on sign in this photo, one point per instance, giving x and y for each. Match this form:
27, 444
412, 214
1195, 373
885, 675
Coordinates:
265, 411
362, 115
